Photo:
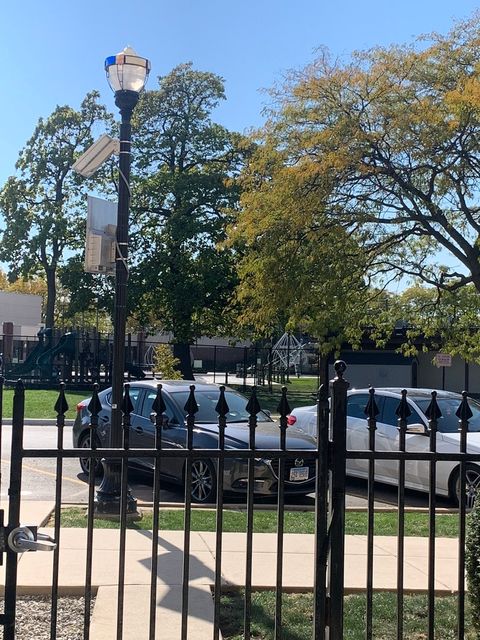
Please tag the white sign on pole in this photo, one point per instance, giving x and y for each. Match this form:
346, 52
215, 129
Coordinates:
443, 360
100, 239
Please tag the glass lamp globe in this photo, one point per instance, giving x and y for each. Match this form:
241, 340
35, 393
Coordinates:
127, 71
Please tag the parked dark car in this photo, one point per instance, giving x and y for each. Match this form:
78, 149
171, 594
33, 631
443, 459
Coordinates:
300, 472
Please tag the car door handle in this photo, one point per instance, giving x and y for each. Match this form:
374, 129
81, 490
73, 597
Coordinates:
138, 429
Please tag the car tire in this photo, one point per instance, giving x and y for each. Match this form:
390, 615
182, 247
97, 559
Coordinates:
84, 443
204, 482
472, 476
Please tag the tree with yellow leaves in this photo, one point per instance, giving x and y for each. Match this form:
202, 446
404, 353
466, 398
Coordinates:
366, 173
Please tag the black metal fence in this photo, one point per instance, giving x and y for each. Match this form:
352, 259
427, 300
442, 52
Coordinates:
330, 456
84, 357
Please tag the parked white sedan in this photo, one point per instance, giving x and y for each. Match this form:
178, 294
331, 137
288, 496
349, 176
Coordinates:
387, 438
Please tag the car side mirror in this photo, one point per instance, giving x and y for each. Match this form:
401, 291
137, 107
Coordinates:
417, 428
165, 420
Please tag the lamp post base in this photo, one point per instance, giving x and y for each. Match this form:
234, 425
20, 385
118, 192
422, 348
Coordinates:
107, 505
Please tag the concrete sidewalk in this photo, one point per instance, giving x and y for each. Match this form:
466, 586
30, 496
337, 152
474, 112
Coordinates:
35, 572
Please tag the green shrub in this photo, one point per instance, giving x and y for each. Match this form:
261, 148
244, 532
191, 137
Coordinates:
472, 562
165, 363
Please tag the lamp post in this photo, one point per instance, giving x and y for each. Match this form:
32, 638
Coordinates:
127, 74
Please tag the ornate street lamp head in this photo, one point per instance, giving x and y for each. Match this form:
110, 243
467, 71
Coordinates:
127, 71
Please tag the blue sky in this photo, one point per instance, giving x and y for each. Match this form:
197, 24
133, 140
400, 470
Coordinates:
53, 51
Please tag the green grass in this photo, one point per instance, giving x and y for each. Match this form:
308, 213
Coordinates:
416, 524
295, 385
300, 392
298, 611
40, 403
270, 401
302, 385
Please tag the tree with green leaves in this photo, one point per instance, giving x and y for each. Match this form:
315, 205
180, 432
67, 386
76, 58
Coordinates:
89, 295
448, 322
43, 207
182, 184
383, 149
298, 269
165, 364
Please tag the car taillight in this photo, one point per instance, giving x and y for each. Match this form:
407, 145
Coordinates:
291, 420
80, 407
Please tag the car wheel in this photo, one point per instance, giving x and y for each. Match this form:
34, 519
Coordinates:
84, 443
204, 482
472, 485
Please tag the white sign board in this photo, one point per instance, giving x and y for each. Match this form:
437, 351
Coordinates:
443, 360
100, 238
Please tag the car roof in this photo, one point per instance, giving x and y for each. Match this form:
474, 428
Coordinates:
412, 392
175, 385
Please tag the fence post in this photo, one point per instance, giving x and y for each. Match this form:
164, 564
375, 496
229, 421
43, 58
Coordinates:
283, 409
337, 501
463, 413
76, 356
319, 378
288, 359
14, 509
129, 353
270, 369
97, 356
321, 515
433, 414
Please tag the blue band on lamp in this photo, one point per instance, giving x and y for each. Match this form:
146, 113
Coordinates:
109, 61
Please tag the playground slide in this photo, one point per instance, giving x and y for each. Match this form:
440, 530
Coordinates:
66, 345
30, 363
134, 370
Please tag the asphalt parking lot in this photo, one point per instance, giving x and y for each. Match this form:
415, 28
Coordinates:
38, 480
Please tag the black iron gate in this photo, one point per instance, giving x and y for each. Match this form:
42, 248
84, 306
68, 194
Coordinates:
330, 456
16, 538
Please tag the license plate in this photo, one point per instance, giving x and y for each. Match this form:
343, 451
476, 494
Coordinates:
298, 473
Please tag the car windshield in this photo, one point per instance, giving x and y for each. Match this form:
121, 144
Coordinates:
448, 423
207, 401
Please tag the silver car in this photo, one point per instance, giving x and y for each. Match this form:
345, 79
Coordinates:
300, 470
387, 438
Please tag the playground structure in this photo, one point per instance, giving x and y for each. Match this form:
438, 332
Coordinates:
28, 365
72, 357
276, 363
287, 353
81, 357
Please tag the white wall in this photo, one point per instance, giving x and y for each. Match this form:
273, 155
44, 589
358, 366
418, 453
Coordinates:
430, 376
365, 369
23, 309
202, 341
376, 375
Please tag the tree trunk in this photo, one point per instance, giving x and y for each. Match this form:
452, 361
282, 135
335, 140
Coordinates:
51, 295
181, 350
